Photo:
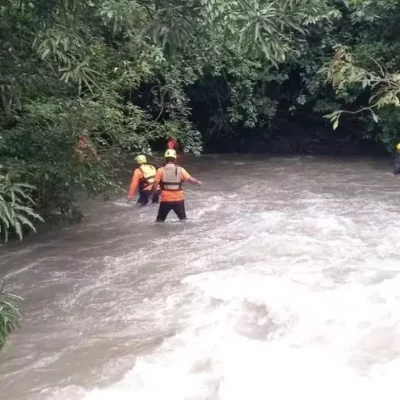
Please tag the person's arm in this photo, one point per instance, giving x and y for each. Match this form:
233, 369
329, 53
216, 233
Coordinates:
157, 180
134, 184
153, 189
186, 177
194, 181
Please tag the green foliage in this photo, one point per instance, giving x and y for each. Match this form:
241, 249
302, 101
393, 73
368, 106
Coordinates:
16, 206
9, 313
345, 76
363, 71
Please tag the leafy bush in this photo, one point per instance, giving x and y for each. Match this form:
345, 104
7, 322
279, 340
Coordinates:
16, 207
9, 313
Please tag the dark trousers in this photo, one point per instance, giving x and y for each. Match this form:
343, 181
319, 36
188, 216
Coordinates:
396, 170
167, 206
144, 197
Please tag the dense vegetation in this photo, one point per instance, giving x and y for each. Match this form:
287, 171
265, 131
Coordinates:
9, 314
83, 82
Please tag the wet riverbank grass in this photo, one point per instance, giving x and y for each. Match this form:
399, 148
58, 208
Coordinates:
9, 314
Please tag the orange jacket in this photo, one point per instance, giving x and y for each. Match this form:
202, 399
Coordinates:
167, 196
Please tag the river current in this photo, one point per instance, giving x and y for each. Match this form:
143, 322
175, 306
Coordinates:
284, 283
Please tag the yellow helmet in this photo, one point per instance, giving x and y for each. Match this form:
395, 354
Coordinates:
398, 146
141, 159
170, 153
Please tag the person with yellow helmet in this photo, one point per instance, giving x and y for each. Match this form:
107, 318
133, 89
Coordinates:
143, 179
396, 170
171, 178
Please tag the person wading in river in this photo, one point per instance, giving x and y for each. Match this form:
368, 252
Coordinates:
173, 144
171, 178
396, 170
143, 178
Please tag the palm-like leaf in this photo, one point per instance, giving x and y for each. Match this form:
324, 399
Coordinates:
16, 207
9, 313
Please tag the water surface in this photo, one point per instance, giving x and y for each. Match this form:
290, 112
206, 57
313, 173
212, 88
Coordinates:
283, 284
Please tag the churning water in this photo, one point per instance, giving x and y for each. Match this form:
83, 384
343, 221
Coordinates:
284, 284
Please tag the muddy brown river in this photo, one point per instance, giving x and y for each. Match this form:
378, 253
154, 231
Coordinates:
283, 284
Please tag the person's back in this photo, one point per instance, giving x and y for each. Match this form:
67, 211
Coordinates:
148, 173
171, 182
171, 178
143, 179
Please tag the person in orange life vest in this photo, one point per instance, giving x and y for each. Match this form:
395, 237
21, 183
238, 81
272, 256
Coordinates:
143, 179
170, 178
